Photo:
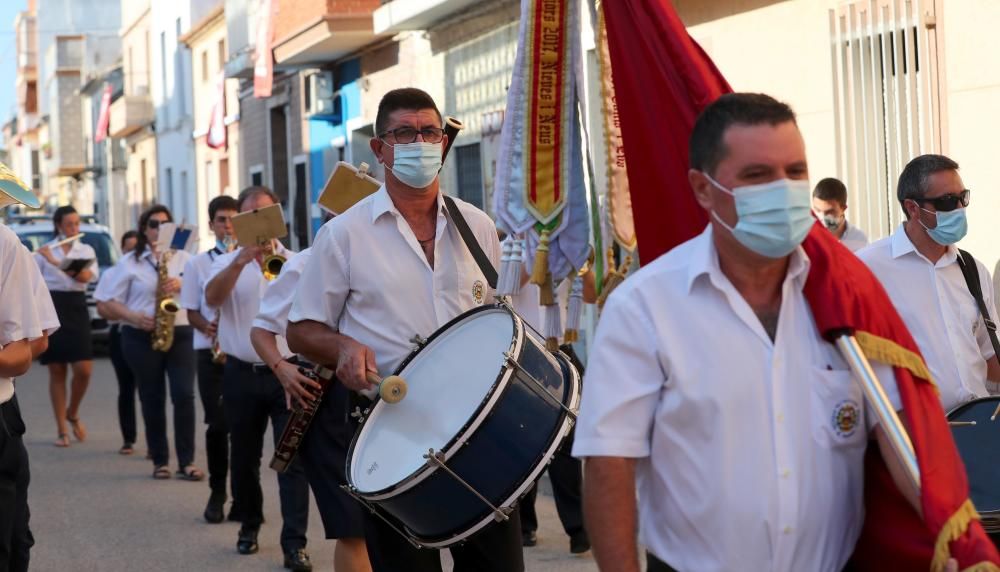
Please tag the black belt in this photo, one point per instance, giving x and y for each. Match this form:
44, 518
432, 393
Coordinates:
257, 368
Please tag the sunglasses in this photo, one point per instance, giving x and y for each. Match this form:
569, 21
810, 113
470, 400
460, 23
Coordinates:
154, 224
948, 202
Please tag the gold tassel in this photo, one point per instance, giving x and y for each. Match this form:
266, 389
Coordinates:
541, 267
546, 294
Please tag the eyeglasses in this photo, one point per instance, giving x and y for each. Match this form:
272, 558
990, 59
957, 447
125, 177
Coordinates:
948, 202
409, 134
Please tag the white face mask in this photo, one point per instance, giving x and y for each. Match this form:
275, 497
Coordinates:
416, 164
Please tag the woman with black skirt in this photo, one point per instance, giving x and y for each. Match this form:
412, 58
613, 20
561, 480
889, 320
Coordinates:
70, 346
132, 298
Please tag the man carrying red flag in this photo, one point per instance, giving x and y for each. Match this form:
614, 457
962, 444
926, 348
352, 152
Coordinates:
711, 384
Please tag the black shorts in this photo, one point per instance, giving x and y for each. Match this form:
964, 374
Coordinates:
324, 455
72, 342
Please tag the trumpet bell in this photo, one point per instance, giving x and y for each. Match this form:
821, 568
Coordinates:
272, 266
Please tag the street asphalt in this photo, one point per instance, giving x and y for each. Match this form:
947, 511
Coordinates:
95, 510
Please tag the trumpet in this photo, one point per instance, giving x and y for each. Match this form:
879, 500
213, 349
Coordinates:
272, 263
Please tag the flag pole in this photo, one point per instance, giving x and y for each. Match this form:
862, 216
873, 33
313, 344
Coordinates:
884, 410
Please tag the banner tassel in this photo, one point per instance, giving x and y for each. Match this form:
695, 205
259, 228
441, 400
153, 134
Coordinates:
549, 301
503, 282
574, 311
540, 270
516, 265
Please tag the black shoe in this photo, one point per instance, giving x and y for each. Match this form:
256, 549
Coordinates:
298, 561
529, 538
579, 542
247, 543
215, 509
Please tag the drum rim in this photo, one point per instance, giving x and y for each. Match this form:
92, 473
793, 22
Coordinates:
958, 408
461, 436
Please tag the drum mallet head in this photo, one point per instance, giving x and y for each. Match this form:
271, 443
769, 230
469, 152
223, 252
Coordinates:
392, 389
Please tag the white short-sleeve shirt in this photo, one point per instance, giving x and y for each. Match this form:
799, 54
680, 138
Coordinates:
368, 279
853, 238
193, 291
238, 310
935, 303
135, 283
277, 300
750, 452
26, 312
58, 281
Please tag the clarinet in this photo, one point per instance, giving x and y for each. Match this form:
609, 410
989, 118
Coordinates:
300, 420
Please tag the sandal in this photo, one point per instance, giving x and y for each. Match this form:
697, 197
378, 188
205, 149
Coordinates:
62, 441
191, 473
161, 472
126, 449
79, 431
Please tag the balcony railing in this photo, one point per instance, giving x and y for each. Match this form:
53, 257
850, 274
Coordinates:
129, 114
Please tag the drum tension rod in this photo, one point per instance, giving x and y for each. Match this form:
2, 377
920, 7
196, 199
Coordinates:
437, 458
538, 388
350, 490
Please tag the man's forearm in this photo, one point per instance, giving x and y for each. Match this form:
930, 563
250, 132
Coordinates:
218, 288
266, 346
15, 359
609, 509
198, 321
317, 342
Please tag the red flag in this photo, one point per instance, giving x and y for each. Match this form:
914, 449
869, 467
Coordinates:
104, 117
663, 80
263, 67
217, 136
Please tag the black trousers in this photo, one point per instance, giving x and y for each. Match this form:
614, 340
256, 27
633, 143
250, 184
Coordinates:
654, 564
152, 369
217, 432
250, 395
15, 536
497, 548
126, 386
566, 474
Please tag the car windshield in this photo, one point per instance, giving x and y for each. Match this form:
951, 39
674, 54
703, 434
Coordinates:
101, 242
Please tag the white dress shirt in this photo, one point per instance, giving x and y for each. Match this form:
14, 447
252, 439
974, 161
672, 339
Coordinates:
58, 281
750, 452
27, 312
277, 300
939, 311
193, 292
134, 284
853, 238
368, 278
237, 312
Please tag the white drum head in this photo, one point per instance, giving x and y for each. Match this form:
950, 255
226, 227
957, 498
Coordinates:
448, 380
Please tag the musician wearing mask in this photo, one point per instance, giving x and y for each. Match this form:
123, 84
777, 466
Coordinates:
251, 393
921, 269
830, 205
391, 267
710, 388
203, 319
157, 341
70, 348
126, 381
28, 317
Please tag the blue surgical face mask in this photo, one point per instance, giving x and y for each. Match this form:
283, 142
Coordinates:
416, 164
226, 244
951, 226
772, 218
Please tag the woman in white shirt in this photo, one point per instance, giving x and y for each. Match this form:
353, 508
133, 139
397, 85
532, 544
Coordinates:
71, 346
131, 297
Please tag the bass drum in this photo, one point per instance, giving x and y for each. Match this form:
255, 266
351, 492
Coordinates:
486, 408
977, 436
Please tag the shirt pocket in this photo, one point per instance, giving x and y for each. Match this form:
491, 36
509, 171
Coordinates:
837, 406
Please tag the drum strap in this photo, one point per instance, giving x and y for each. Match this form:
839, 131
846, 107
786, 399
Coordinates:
485, 266
971, 273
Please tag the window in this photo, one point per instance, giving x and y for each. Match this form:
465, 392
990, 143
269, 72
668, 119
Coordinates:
886, 101
257, 175
470, 174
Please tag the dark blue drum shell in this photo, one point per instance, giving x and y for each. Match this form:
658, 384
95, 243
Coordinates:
496, 460
979, 447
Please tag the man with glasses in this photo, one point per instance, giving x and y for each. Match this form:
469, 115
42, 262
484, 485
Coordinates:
919, 266
391, 267
221, 210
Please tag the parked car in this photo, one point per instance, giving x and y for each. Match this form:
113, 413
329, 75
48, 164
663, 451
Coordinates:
35, 232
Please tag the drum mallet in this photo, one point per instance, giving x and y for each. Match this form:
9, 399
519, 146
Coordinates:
391, 389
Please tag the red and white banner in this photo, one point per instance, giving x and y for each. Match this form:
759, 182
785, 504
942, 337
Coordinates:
104, 117
263, 67
217, 137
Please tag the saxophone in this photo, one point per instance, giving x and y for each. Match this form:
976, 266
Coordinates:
166, 309
218, 356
